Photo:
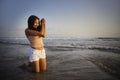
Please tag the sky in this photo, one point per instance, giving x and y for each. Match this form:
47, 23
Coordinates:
65, 18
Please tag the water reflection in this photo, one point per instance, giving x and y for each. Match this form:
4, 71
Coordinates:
38, 76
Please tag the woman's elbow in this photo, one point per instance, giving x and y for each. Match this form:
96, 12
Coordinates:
43, 36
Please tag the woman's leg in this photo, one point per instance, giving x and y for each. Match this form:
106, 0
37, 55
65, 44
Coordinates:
43, 64
35, 66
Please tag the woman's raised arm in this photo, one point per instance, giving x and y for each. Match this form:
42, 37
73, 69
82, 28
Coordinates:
43, 25
33, 33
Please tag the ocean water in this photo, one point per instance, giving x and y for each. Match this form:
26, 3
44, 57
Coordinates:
103, 52
103, 44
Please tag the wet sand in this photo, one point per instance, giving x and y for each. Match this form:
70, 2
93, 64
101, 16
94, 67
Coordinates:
62, 64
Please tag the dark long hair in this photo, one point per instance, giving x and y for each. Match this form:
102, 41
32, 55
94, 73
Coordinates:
31, 21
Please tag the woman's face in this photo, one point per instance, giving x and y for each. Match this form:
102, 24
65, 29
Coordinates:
36, 23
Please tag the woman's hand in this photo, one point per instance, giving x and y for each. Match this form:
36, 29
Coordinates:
43, 21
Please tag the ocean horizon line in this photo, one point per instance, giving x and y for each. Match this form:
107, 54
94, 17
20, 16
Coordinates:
69, 37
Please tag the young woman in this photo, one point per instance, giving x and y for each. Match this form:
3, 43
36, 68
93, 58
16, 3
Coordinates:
35, 32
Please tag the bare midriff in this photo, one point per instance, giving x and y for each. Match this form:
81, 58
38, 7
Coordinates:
36, 42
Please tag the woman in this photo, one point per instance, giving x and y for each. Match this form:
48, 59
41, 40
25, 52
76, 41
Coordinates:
34, 33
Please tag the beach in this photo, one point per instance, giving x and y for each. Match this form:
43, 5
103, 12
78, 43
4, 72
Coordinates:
64, 62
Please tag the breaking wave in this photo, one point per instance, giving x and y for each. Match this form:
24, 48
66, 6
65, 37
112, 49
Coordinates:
105, 44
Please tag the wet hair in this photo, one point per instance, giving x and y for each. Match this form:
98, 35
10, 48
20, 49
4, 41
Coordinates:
31, 21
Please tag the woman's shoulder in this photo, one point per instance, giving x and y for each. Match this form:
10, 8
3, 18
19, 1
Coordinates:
29, 30
26, 30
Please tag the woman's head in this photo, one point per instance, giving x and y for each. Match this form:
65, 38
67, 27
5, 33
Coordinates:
33, 22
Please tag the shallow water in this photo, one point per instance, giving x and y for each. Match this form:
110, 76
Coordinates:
70, 59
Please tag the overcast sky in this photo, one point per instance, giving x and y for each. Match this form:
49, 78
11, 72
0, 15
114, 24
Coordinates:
71, 18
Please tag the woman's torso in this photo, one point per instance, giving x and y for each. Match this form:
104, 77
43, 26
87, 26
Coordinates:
36, 42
